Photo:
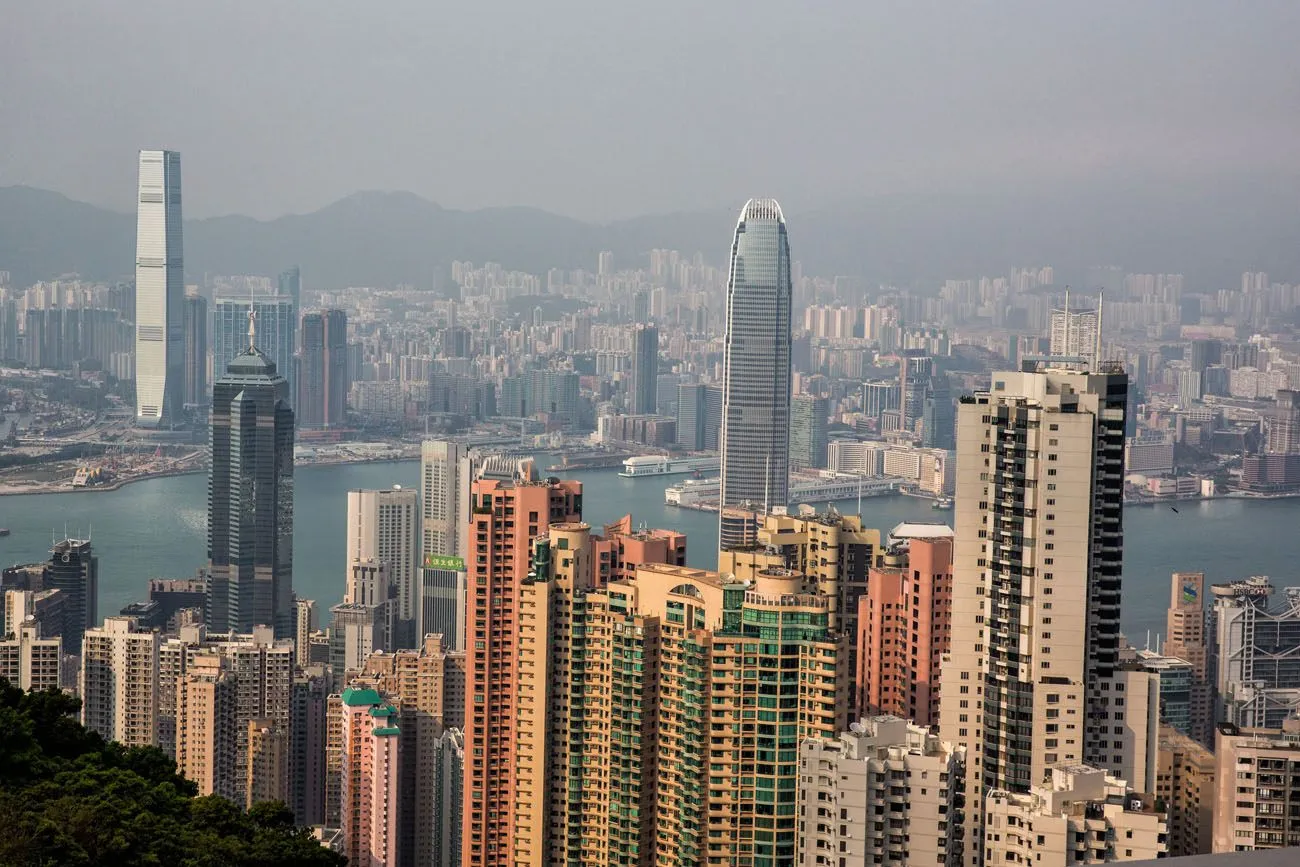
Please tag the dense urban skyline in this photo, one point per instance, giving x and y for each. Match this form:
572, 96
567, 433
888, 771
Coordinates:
672, 552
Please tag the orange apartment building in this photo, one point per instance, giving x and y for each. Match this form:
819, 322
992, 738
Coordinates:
903, 631
505, 516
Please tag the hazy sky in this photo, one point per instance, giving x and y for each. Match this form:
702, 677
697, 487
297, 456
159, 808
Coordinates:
602, 110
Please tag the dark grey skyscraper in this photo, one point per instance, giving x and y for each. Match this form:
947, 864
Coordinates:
645, 370
74, 571
808, 439
938, 423
692, 412
250, 498
756, 391
323, 370
196, 350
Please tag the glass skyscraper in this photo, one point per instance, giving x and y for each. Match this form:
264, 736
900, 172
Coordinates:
277, 334
756, 400
159, 291
250, 498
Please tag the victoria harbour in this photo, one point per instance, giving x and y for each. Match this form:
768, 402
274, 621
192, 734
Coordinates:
155, 528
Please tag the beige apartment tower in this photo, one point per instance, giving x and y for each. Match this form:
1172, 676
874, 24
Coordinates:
1257, 774
1185, 782
880, 762
1030, 680
119, 682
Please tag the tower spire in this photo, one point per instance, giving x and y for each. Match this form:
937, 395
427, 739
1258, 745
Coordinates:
252, 323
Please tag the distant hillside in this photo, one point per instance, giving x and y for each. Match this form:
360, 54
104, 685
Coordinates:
1211, 231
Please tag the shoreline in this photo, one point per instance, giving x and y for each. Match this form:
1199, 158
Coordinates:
118, 484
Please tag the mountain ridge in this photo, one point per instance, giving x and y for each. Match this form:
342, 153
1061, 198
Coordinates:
1211, 230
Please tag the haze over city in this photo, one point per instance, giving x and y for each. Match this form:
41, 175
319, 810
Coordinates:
605, 111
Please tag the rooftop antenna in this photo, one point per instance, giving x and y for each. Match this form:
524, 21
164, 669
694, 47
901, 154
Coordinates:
252, 325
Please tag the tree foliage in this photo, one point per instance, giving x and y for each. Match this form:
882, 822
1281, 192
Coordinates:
71, 799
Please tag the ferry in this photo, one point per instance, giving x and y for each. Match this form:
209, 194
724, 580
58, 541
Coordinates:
942, 504
661, 465
4, 531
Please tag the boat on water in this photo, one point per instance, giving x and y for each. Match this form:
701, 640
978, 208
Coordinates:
4, 531
943, 504
661, 465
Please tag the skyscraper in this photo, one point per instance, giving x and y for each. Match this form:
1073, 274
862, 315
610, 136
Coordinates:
505, 516
250, 498
445, 470
645, 370
1034, 653
1185, 639
808, 440
289, 284
73, 570
196, 350
384, 526
323, 370
756, 402
1077, 333
159, 291
938, 423
692, 412
277, 334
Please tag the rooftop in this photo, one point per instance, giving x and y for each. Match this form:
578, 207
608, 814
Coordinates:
354, 697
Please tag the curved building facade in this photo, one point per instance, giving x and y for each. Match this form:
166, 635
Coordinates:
756, 392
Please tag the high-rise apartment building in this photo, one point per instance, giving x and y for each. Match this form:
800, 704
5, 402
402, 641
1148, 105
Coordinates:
73, 570
808, 439
29, 661
448, 774
1030, 680
628, 761
322, 370
1076, 333
835, 553
1257, 770
385, 526
1185, 782
246, 677
277, 334
305, 622
1185, 639
903, 631
370, 772
267, 765
755, 438
880, 762
159, 291
206, 753
505, 515
643, 389
250, 497
306, 764
1081, 815
691, 416
427, 688
118, 685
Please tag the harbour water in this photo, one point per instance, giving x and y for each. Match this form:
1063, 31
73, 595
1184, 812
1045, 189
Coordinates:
156, 528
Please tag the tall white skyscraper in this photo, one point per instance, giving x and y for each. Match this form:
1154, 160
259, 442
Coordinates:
756, 399
445, 473
159, 292
1077, 333
385, 526
1033, 678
